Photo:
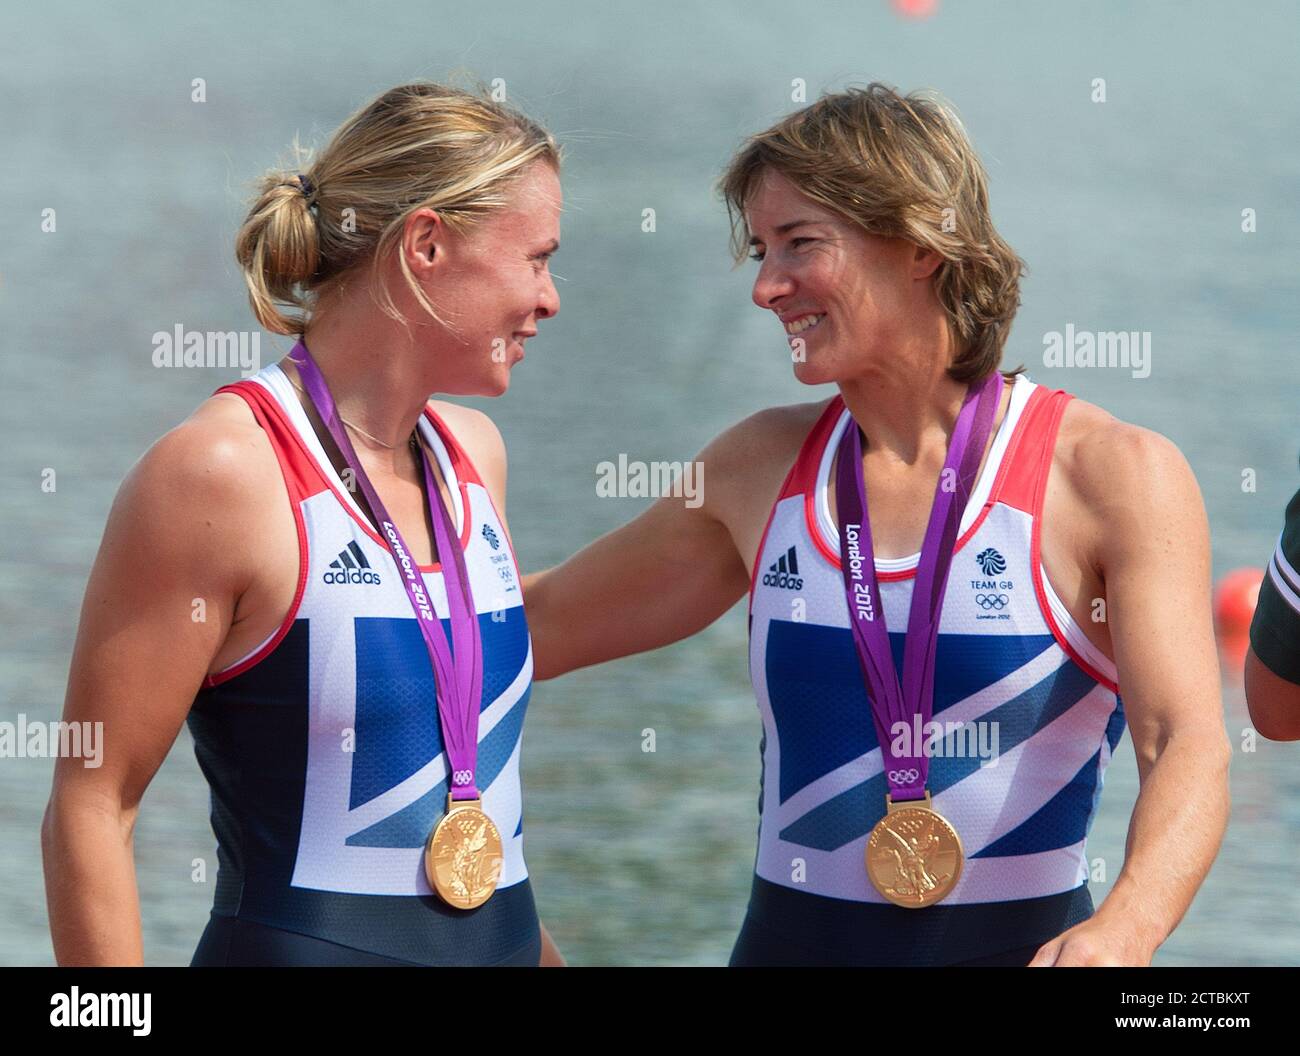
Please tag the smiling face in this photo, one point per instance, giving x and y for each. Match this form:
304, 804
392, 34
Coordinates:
491, 283
844, 296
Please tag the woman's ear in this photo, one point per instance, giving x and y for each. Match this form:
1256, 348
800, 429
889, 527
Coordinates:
924, 262
424, 240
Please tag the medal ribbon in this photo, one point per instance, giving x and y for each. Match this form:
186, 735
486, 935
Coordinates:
891, 702
458, 686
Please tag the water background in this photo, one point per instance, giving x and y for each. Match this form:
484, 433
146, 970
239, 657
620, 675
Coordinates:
1128, 213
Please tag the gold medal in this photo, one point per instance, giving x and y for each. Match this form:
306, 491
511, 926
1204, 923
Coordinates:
914, 855
462, 859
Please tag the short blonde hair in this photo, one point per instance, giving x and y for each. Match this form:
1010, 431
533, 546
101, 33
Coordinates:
420, 145
898, 167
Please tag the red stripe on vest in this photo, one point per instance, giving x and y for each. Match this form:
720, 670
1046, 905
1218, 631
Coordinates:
301, 473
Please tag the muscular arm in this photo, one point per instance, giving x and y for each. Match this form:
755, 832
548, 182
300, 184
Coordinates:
663, 576
139, 658
1154, 557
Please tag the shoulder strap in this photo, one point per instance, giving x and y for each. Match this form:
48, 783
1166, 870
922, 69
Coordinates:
301, 474
803, 473
460, 460
800, 477
1022, 477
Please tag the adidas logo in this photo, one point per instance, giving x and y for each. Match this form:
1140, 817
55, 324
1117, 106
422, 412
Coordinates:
352, 567
784, 573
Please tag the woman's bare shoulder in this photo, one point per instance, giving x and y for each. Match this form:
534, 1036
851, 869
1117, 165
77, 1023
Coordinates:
1120, 477
746, 462
481, 440
1103, 455
766, 438
215, 465
213, 477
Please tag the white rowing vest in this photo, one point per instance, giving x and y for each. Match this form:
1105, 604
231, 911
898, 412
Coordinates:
1013, 669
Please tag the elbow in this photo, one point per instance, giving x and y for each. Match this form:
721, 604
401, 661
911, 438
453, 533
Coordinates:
1224, 763
72, 813
1217, 756
48, 826
542, 670
50, 837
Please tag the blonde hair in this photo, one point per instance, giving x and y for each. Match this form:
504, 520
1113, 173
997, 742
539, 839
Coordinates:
420, 145
898, 167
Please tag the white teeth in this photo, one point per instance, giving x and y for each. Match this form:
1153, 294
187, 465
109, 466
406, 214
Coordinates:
806, 323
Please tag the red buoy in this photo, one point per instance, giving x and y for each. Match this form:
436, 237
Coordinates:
1235, 597
915, 8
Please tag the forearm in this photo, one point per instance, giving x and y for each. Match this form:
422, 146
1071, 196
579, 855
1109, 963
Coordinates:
1175, 832
646, 585
90, 887
571, 611
1273, 702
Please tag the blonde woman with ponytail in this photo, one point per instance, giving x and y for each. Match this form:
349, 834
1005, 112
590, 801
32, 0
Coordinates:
272, 567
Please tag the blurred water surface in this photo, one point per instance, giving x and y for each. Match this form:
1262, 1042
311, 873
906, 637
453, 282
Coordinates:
1128, 213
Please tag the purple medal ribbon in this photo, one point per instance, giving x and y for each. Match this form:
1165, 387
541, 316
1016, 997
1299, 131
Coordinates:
891, 702
458, 687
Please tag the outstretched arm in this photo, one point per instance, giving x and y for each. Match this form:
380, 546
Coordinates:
660, 578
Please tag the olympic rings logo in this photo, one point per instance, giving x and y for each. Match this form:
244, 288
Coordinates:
991, 601
460, 778
904, 777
